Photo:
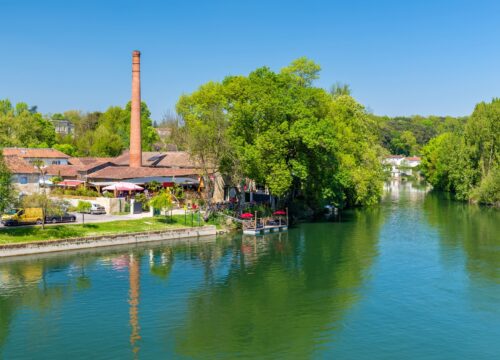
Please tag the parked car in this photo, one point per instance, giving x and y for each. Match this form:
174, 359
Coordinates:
97, 209
23, 216
65, 217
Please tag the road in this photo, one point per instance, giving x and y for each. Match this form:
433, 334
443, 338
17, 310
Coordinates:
89, 218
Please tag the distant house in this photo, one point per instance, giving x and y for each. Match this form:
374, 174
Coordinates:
401, 165
32, 156
25, 177
64, 127
412, 161
394, 160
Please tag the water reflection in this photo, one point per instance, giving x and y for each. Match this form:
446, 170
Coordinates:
282, 296
472, 229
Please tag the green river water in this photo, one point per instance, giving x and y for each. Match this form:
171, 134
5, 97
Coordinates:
417, 277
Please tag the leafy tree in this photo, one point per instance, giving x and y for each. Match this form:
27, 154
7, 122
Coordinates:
42, 201
339, 89
66, 148
6, 188
83, 207
279, 130
163, 201
21, 126
304, 69
405, 144
466, 164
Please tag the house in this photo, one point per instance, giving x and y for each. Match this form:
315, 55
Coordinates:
394, 160
64, 127
25, 177
32, 155
412, 161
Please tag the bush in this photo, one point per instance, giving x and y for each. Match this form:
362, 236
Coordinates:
143, 200
488, 191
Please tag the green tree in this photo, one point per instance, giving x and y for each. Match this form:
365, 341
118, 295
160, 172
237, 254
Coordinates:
83, 207
304, 69
42, 201
7, 192
162, 201
466, 164
339, 89
279, 130
22, 126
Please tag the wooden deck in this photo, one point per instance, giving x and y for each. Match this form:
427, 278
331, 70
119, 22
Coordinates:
264, 226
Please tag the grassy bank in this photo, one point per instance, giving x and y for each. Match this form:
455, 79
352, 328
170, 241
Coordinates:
36, 233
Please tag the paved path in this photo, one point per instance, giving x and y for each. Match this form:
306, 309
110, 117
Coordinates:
89, 218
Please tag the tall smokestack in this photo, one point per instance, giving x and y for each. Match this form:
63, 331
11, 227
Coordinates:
135, 114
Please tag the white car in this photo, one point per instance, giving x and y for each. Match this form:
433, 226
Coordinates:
97, 209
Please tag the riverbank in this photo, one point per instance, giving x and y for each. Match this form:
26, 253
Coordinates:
13, 235
76, 243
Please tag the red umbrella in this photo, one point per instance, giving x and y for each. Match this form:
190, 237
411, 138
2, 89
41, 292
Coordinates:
246, 216
279, 212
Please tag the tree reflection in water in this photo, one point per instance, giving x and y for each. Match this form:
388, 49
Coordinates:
282, 291
473, 229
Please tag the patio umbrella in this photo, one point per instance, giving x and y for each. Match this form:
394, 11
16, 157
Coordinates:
123, 186
246, 216
279, 212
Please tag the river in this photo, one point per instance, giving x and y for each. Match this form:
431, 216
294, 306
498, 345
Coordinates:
417, 277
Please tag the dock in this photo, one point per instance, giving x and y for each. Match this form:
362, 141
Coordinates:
256, 226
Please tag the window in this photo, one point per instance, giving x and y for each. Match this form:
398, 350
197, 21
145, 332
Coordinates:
56, 162
23, 179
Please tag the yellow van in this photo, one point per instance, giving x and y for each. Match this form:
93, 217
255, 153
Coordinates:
24, 216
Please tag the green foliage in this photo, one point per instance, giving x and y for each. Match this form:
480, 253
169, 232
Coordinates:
154, 186
105, 134
407, 135
141, 197
56, 179
7, 192
22, 126
279, 130
305, 70
83, 206
466, 164
163, 200
339, 89
488, 191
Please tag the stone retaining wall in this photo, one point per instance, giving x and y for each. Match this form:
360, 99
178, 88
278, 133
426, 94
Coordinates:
103, 240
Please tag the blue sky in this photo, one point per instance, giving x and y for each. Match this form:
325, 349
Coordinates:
399, 57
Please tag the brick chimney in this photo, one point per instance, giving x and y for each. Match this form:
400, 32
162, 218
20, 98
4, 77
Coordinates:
135, 114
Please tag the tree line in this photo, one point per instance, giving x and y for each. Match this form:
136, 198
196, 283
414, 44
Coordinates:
95, 133
302, 142
465, 161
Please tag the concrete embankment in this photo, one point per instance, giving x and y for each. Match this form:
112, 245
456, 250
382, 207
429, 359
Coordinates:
103, 241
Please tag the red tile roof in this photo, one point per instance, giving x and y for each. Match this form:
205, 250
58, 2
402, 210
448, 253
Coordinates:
413, 158
16, 165
89, 160
64, 170
174, 159
35, 153
125, 172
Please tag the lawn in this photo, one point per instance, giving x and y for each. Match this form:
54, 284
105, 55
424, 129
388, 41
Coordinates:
36, 233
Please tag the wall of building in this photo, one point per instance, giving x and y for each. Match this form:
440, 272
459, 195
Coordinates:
26, 183
48, 161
